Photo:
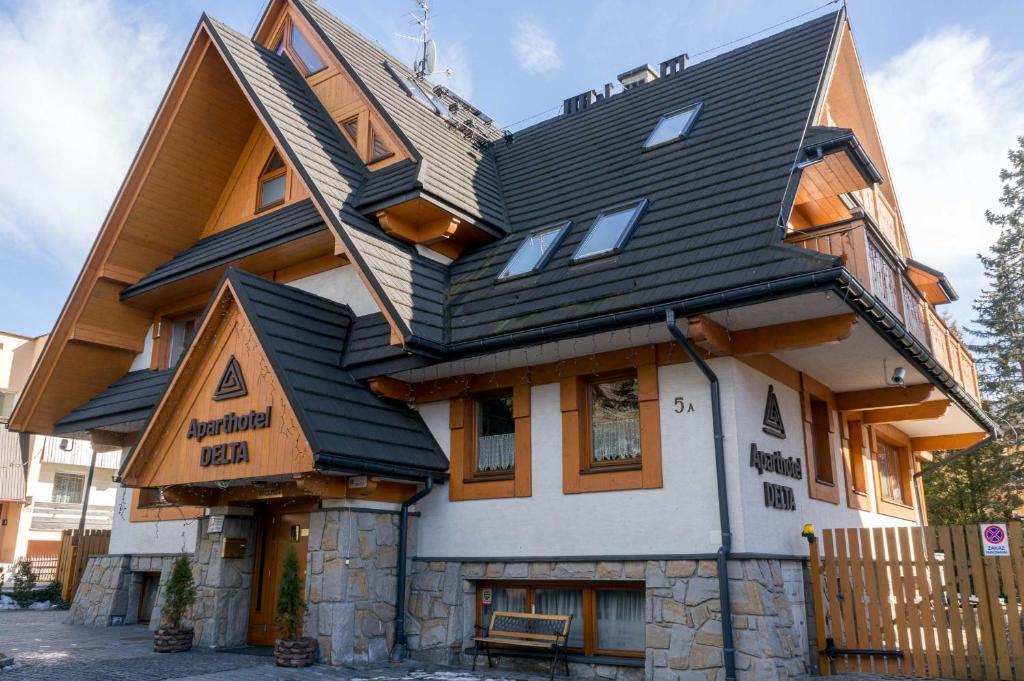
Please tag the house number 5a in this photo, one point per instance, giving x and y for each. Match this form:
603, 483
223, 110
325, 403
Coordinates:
683, 406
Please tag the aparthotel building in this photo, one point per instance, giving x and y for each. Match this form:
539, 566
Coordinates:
608, 365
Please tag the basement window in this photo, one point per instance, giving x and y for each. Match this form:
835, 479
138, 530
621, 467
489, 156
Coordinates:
535, 251
673, 126
610, 230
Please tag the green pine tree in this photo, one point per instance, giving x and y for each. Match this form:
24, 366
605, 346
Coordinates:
290, 603
179, 594
23, 591
986, 486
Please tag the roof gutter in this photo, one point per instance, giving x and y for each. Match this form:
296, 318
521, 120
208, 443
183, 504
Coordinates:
837, 279
728, 647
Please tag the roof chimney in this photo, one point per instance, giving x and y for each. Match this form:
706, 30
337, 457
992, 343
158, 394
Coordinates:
644, 73
674, 65
579, 102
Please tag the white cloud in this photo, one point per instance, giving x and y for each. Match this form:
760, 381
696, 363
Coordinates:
82, 79
535, 49
949, 109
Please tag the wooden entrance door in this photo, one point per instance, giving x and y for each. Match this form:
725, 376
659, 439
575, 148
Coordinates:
277, 527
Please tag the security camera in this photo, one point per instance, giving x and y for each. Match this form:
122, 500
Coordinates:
899, 376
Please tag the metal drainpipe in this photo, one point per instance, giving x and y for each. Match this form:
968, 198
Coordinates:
400, 649
729, 649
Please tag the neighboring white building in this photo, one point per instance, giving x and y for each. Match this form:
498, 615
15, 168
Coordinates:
43, 478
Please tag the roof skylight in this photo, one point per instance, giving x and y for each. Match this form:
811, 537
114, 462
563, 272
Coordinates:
610, 230
535, 251
421, 92
674, 126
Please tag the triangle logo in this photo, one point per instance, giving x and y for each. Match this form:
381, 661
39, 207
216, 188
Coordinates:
232, 383
773, 415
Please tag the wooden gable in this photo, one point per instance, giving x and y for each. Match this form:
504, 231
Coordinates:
348, 104
225, 415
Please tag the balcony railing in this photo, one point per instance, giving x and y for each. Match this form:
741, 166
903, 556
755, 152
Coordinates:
51, 515
868, 255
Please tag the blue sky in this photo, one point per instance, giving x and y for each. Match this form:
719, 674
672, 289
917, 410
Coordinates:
946, 80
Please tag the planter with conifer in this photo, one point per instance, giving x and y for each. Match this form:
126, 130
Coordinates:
179, 595
292, 649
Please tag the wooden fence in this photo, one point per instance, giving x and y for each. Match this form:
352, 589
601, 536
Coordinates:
919, 602
75, 550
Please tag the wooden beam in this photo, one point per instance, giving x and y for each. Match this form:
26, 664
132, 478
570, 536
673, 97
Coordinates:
879, 398
390, 388
86, 333
324, 486
108, 440
917, 412
709, 335
793, 335
934, 443
120, 275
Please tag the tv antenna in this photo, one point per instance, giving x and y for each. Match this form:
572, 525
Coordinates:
424, 66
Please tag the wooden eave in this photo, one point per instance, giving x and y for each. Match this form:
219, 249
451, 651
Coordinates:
97, 336
418, 220
931, 283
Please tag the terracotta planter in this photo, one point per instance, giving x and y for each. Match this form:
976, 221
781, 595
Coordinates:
172, 640
298, 653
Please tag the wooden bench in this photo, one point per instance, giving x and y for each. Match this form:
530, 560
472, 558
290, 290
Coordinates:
524, 631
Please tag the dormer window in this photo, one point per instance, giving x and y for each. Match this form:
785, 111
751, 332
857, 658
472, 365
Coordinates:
610, 230
295, 44
535, 251
378, 150
674, 126
272, 182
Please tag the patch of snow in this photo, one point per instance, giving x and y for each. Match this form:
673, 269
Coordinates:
43, 605
7, 603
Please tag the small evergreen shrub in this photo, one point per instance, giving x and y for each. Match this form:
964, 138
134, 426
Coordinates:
179, 594
23, 592
290, 603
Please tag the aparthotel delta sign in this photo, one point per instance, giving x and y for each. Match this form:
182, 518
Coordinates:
231, 385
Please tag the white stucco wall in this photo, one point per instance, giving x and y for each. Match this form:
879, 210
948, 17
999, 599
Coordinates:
165, 536
679, 518
342, 285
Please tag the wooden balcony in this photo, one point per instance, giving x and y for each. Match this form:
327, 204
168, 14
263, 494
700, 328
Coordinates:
872, 257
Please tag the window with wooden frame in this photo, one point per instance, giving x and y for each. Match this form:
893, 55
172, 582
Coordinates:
611, 431
294, 43
174, 335
855, 456
894, 491
819, 414
490, 444
354, 127
273, 183
609, 618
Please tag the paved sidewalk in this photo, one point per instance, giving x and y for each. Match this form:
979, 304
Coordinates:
46, 649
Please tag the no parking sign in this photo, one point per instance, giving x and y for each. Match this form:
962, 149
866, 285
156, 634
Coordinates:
994, 539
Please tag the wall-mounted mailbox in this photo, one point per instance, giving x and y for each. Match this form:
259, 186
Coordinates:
233, 547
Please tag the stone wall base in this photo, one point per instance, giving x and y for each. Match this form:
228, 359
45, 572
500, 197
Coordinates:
111, 589
683, 618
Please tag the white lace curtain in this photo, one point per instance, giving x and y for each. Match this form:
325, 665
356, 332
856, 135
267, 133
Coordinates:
496, 452
620, 620
616, 439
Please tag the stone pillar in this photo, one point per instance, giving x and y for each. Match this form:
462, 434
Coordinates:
102, 595
220, 614
351, 582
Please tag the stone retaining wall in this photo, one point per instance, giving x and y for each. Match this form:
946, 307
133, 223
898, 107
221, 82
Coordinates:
111, 587
684, 627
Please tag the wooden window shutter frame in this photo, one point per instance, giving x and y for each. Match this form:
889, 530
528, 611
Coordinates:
818, 490
577, 475
463, 485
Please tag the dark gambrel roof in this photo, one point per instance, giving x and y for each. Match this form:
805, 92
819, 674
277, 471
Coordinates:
715, 198
410, 285
457, 171
346, 425
127, 401
263, 232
